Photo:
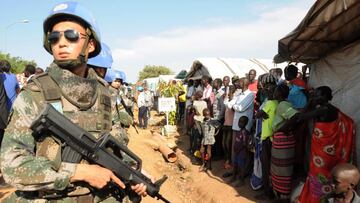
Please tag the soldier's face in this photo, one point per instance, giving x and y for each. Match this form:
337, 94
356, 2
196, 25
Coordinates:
65, 49
116, 84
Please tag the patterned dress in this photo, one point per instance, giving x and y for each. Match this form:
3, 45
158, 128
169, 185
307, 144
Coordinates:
208, 132
331, 143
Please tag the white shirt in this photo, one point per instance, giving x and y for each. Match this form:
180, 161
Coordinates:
145, 99
190, 92
230, 104
199, 88
207, 92
243, 106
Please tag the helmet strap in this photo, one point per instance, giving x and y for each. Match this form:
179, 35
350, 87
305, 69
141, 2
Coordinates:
81, 59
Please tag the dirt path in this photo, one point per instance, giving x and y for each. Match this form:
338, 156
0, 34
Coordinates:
187, 185
183, 185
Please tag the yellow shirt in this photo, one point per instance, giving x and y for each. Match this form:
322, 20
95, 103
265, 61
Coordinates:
182, 98
266, 127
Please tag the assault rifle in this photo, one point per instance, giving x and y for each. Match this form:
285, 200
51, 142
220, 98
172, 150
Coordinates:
105, 151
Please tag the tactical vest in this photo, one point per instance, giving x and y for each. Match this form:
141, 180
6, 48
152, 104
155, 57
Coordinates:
94, 120
97, 119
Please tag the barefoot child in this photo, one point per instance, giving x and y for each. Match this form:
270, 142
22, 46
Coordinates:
240, 151
208, 130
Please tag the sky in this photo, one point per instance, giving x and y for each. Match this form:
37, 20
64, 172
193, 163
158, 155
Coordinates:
161, 32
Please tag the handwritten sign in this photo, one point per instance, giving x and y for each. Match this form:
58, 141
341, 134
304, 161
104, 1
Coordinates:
167, 104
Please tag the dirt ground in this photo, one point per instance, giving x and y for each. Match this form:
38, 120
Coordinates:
184, 185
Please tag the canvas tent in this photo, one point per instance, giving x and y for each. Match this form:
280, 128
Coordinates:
328, 26
328, 41
220, 67
181, 75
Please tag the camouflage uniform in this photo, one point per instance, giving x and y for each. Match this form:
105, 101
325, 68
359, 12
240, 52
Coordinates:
129, 99
31, 165
120, 116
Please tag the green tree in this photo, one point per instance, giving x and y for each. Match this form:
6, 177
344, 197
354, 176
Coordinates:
153, 71
17, 63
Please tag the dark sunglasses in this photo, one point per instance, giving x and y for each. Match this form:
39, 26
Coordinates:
71, 35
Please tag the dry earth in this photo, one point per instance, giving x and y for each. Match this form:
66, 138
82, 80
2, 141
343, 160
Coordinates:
184, 185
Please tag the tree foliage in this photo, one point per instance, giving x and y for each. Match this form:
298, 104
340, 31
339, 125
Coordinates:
17, 63
153, 71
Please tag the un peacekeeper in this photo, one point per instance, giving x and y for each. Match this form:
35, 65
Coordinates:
102, 64
33, 166
114, 79
126, 95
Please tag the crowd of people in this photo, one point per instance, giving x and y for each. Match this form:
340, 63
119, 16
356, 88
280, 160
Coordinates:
278, 132
275, 131
11, 85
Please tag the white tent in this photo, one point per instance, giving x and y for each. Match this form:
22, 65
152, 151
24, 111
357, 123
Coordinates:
220, 67
328, 40
153, 83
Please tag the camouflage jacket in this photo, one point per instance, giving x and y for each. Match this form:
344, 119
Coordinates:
119, 113
32, 166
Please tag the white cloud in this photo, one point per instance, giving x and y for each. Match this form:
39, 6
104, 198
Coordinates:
177, 48
125, 53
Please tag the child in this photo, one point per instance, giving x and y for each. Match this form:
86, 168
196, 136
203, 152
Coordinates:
345, 178
198, 107
190, 124
240, 150
208, 128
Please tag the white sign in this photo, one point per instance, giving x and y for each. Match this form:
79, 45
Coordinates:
167, 104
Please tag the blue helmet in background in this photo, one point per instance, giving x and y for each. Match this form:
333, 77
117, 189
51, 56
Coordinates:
139, 88
123, 75
112, 75
104, 59
72, 11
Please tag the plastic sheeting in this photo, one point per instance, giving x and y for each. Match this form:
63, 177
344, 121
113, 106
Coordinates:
329, 25
340, 71
220, 67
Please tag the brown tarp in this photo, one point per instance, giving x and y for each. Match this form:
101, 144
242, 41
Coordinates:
328, 26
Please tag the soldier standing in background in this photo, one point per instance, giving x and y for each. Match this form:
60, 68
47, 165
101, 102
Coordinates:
102, 65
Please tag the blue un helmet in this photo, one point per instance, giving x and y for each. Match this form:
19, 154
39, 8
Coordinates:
104, 59
73, 11
122, 75
111, 75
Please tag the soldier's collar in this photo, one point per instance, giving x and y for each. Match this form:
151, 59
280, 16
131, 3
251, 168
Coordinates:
81, 92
